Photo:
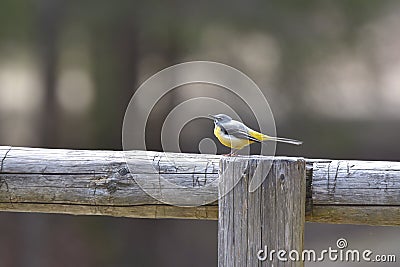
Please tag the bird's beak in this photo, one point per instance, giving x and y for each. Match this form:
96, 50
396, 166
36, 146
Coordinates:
212, 116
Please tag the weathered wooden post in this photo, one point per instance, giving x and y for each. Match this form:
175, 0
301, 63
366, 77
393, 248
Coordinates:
264, 227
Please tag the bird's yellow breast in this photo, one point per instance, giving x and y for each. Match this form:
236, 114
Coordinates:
230, 141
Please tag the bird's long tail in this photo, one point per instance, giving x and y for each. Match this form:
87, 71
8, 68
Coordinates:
283, 140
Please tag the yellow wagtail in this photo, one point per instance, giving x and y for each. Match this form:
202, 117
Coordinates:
237, 135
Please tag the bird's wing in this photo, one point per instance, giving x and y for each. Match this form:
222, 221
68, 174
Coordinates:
239, 130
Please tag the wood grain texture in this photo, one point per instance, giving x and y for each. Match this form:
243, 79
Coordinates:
272, 216
100, 183
356, 183
370, 215
355, 192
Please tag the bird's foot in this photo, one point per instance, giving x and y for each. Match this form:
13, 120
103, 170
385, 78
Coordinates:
232, 154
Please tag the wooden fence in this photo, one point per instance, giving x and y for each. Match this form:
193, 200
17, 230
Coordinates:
84, 182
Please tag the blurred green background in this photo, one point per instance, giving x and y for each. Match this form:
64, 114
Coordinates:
330, 70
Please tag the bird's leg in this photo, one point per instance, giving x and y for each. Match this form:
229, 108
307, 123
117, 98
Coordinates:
233, 152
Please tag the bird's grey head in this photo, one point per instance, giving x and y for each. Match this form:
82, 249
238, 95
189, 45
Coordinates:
220, 118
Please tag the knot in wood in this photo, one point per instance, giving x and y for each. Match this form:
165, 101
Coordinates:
123, 171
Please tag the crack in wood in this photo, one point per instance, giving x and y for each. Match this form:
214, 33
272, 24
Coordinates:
2, 179
335, 179
95, 189
328, 183
4, 158
205, 175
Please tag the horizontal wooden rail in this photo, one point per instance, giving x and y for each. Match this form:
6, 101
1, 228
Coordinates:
100, 183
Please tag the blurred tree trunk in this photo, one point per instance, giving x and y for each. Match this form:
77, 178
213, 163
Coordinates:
116, 80
128, 48
33, 227
171, 56
49, 24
